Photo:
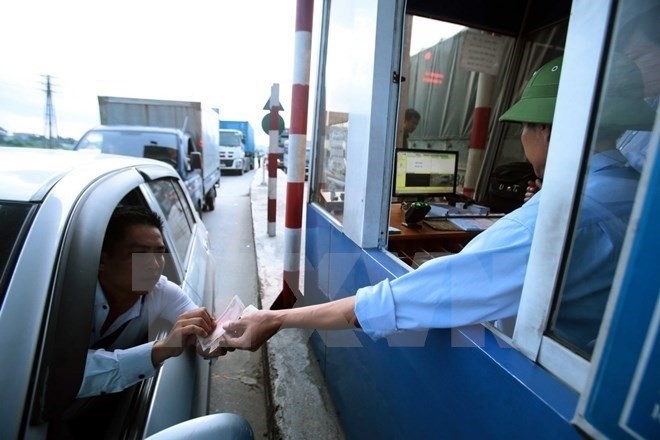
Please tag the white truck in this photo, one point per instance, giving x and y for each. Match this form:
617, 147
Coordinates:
182, 133
232, 151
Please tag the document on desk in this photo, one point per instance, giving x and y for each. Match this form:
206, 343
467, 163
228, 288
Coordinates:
441, 224
440, 211
473, 224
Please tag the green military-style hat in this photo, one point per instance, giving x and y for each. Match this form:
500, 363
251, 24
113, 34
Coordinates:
622, 107
537, 104
622, 101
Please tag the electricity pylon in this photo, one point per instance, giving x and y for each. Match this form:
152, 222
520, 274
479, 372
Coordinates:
50, 123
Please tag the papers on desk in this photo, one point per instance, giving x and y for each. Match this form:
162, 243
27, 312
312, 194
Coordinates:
441, 224
439, 210
473, 224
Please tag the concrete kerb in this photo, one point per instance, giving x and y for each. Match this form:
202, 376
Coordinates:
301, 406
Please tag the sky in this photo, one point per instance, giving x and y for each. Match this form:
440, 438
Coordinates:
224, 53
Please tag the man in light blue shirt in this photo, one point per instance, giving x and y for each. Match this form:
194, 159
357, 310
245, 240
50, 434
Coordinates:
484, 281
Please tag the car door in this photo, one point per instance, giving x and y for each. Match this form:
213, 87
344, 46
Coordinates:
181, 390
73, 218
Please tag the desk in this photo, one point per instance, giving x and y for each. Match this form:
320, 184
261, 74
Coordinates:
414, 246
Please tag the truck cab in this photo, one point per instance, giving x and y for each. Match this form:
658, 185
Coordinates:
232, 151
168, 145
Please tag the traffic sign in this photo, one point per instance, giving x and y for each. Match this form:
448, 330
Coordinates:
267, 106
265, 123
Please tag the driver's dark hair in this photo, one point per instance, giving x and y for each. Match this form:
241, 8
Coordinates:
125, 216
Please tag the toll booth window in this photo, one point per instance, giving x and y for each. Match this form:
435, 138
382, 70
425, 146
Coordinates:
504, 188
453, 88
621, 136
333, 112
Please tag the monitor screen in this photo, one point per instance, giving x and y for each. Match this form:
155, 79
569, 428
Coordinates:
428, 173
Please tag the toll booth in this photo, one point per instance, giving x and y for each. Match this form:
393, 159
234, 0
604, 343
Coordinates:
460, 65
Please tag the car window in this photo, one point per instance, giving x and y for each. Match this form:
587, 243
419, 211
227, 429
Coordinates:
177, 214
14, 220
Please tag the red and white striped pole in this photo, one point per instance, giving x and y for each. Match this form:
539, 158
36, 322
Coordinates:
479, 136
296, 166
273, 134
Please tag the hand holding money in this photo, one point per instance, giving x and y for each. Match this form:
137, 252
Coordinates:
252, 330
235, 310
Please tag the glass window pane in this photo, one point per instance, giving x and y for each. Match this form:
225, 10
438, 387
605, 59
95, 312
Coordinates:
334, 104
443, 79
175, 214
506, 184
14, 218
622, 124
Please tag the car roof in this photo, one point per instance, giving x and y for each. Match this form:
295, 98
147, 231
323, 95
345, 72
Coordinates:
28, 174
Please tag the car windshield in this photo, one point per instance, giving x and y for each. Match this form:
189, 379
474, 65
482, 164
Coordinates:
132, 143
14, 221
230, 139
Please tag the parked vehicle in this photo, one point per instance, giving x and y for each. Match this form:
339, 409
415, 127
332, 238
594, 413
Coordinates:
308, 153
248, 138
188, 131
232, 151
282, 147
54, 223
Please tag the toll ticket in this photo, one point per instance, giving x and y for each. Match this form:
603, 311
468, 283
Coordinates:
234, 310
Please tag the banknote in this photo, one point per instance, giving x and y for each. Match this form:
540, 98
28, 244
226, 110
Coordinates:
249, 310
234, 310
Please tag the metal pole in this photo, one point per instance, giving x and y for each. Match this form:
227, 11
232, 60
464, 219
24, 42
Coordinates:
273, 134
296, 165
479, 136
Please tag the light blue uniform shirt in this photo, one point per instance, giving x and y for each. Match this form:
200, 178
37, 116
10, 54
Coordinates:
114, 371
484, 281
634, 144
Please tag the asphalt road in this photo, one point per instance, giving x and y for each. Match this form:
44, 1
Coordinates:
237, 382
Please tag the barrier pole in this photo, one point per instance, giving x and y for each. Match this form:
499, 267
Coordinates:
273, 134
296, 165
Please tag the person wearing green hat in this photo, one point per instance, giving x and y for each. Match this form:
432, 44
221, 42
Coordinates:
481, 283
640, 41
608, 195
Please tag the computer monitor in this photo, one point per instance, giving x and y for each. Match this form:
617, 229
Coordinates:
425, 173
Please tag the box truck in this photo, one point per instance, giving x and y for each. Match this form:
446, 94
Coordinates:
226, 146
233, 156
182, 133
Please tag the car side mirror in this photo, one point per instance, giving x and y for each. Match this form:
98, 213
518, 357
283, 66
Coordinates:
196, 160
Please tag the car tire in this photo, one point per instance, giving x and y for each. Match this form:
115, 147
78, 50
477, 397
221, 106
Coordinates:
210, 199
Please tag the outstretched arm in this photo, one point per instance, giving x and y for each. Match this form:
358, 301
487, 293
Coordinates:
252, 331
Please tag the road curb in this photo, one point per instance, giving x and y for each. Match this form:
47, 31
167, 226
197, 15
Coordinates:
300, 402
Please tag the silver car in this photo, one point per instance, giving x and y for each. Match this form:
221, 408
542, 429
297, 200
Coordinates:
54, 208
